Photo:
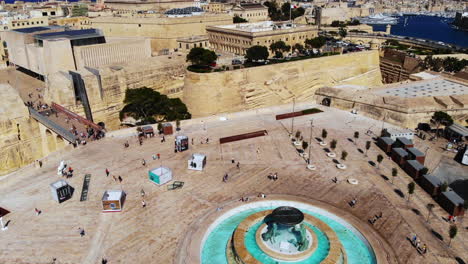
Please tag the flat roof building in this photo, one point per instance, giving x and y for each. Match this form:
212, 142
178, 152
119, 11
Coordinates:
237, 38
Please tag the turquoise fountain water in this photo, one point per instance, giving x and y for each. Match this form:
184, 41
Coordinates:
356, 247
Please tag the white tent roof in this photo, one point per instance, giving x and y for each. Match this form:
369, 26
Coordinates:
161, 170
112, 195
198, 157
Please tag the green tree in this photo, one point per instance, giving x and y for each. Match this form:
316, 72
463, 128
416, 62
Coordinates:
444, 187
324, 134
344, 154
146, 105
411, 187
441, 118
424, 171
394, 173
379, 160
356, 137
453, 230
354, 22
336, 23
273, 12
279, 47
160, 127
305, 145
333, 144
429, 207
257, 53
298, 134
368, 145
202, 57
298, 47
237, 19
316, 43
342, 32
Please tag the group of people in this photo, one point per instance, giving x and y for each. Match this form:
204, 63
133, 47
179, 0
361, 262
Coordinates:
68, 173
417, 243
375, 218
272, 176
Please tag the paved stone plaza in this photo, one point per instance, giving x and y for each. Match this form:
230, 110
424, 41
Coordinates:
159, 232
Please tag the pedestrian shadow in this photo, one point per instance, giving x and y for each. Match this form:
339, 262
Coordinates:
416, 211
384, 177
318, 139
7, 223
436, 234
360, 151
336, 161
459, 260
326, 150
350, 140
399, 192
371, 163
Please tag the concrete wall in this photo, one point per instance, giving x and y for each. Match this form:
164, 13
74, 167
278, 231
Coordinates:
237, 90
112, 53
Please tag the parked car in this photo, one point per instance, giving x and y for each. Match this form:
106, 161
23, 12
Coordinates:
236, 62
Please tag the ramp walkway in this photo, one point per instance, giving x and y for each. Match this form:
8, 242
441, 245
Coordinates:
84, 190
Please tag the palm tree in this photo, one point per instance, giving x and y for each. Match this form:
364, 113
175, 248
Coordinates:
344, 154
441, 118
394, 173
333, 144
453, 230
411, 187
429, 207
379, 160
356, 136
368, 144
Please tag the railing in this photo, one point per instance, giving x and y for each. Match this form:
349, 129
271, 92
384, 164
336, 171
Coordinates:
64, 133
72, 115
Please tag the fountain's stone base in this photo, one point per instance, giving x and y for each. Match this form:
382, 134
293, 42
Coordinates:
239, 254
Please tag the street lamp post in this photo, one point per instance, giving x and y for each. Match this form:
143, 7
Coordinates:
310, 140
292, 121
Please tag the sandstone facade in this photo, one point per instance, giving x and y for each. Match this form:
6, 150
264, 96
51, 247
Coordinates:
231, 91
22, 139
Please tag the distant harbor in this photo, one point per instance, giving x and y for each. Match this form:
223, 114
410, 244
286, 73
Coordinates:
437, 28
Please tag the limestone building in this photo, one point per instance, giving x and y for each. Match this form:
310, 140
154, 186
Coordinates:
47, 50
214, 7
252, 12
140, 5
237, 38
397, 66
186, 44
162, 31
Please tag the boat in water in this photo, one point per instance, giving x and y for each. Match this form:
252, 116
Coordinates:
378, 19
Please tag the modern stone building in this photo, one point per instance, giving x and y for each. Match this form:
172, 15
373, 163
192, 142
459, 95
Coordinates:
47, 50
237, 38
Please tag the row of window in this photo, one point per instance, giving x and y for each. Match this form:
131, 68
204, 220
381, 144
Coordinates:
254, 15
187, 46
27, 23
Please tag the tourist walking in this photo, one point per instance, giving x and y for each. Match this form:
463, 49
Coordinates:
143, 162
38, 212
115, 179
143, 203
120, 179
225, 178
107, 172
233, 161
81, 231
142, 192
238, 165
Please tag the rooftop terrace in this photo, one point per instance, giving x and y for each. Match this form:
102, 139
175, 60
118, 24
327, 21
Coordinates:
439, 87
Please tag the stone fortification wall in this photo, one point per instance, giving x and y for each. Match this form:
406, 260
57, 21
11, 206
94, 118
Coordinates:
106, 86
163, 31
231, 91
22, 139
403, 112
